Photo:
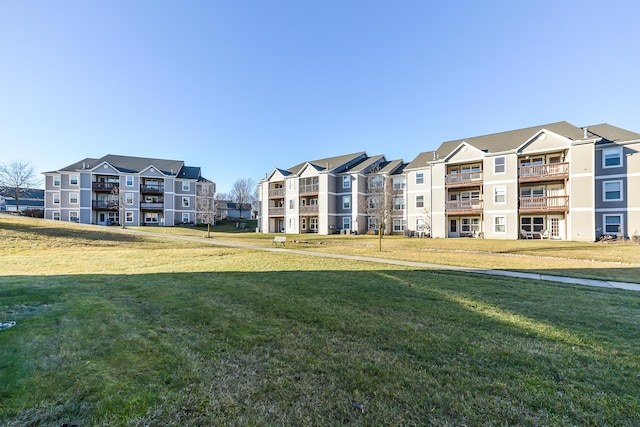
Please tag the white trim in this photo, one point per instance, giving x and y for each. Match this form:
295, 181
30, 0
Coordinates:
620, 190
504, 225
604, 223
620, 156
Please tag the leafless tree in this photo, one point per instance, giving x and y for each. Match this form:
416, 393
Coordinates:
119, 202
242, 192
378, 203
206, 207
19, 176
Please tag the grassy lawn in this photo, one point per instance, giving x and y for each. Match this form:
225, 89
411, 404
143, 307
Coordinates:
130, 329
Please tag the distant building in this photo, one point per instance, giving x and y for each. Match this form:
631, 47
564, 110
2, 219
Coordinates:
231, 210
30, 199
154, 191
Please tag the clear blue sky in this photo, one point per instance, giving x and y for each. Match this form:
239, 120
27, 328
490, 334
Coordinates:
241, 87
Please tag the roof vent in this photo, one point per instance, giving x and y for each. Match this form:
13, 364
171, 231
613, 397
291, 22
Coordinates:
586, 133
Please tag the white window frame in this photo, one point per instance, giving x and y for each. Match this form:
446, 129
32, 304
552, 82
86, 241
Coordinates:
72, 196
186, 202
399, 203
500, 191
74, 214
604, 191
56, 216
419, 178
346, 202
500, 224
186, 186
291, 184
128, 181
399, 224
74, 177
497, 166
604, 223
56, 180
128, 217
399, 183
56, 198
292, 203
346, 181
617, 153
186, 217
346, 223
419, 200
128, 198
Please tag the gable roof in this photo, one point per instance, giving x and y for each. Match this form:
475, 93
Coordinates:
610, 133
329, 163
423, 159
510, 140
129, 164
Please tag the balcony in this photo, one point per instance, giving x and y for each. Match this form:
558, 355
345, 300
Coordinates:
466, 179
544, 204
309, 210
104, 186
549, 172
276, 192
152, 206
152, 188
464, 206
309, 189
273, 211
104, 204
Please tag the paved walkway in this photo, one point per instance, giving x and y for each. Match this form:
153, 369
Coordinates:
505, 273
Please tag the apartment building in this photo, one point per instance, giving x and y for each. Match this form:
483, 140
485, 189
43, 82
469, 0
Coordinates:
112, 189
555, 181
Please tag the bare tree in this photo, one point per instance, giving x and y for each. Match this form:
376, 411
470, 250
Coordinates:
242, 192
19, 176
206, 207
378, 203
119, 202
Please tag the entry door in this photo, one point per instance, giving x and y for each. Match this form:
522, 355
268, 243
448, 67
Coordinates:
556, 227
454, 228
281, 226
102, 220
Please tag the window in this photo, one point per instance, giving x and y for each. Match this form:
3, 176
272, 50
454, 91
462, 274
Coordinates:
613, 224
313, 224
346, 181
129, 181
499, 165
291, 183
292, 203
420, 201
73, 179
399, 183
500, 194
56, 180
186, 218
372, 223
470, 225
151, 217
346, 223
528, 223
186, 185
421, 224
398, 204
500, 224
74, 216
291, 224
612, 157
56, 198
128, 216
304, 223
612, 191
419, 177
376, 181
128, 198
371, 202
532, 192
73, 198
56, 216
399, 224
346, 202
185, 202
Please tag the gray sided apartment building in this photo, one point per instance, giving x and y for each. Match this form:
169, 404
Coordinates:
146, 191
554, 181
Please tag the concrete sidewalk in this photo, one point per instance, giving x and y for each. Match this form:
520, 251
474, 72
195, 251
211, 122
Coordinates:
414, 264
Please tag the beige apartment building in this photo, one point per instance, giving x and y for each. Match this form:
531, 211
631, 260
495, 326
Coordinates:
554, 181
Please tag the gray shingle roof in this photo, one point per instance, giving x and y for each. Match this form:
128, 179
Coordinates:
129, 164
612, 133
330, 163
421, 160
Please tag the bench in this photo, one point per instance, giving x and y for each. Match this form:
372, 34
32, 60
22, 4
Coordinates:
279, 239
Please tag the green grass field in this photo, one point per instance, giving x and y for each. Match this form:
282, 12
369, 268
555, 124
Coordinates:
128, 329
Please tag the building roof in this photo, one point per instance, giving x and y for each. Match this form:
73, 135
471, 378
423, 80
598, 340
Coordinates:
129, 164
329, 163
610, 133
510, 140
27, 193
421, 160
365, 164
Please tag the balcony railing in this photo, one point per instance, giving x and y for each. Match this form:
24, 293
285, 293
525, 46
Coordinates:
104, 186
309, 189
273, 211
464, 179
104, 204
276, 192
464, 206
546, 172
152, 206
152, 188
544, 204
309, 209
